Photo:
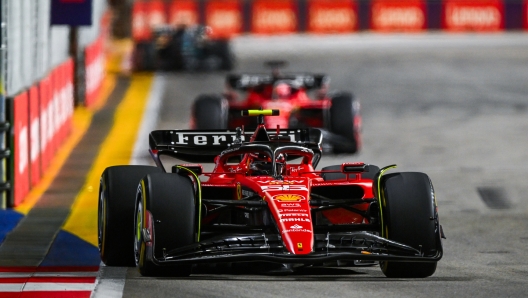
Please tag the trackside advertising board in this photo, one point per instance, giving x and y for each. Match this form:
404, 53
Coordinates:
274, 17
184, 12
46, 131
140, 28
525, 14
332, 16
402, 16
34, 135
224, 17
20, 147
478, 16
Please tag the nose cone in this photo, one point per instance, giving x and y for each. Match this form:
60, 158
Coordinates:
292, 214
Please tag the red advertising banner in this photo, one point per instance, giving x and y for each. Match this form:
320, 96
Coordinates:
332, 16
224, 17
95, 62
46, 128
525, 14
66, 101
274, 17
140, 27
156, 14
21, 148
398, 15
480, 16
34, 135
184, 12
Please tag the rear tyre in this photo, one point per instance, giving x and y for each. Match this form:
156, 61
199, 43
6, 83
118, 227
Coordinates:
225, 53
345, 121
372, 170
165, 207
144, 57
210, 111
117, 193
410, 217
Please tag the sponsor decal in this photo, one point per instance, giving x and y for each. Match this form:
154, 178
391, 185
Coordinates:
274, 16
405, 15
281, 182
291, 210
290, 205
202, 139
289, 198
184, 12
284, 188
299, 246
296, 226
294, 219
296, 231
332, 16
224, 17
483, 16
294, 214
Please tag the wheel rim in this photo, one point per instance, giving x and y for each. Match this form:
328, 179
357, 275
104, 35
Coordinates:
137, 231
101, 219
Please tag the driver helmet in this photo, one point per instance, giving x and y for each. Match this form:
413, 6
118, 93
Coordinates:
282, 90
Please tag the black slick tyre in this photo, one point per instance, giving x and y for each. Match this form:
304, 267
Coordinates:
170, 201
117, 193
409, 213
210, 111
345, 122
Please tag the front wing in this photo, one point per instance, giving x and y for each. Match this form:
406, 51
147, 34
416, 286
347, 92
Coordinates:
269, 248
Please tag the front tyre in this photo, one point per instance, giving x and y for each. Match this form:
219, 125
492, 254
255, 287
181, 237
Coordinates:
410, 217
165, 219
117, 192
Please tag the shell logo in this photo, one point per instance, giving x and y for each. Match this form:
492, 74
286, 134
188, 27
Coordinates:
288, 198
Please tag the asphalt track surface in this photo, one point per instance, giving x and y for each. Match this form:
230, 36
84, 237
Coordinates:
452, 106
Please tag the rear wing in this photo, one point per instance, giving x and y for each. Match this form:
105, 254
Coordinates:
200, 146
247, 81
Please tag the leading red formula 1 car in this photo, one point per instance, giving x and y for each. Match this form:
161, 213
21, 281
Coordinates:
264, 201
304, 100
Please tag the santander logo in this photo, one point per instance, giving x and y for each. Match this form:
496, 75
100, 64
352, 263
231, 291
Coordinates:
397, 17
225, 20
275, 19
296, 226
476, 17
332, 18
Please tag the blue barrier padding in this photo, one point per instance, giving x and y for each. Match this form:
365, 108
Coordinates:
8, 221
70, 250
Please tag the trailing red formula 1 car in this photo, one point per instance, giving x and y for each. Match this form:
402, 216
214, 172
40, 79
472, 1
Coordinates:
263, 201
302, 98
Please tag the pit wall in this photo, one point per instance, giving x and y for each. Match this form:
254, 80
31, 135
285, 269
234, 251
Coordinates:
40, 116
229, 18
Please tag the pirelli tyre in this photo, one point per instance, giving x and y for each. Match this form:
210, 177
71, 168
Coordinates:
144, 56
345, 122
165, 219
224, 51
117, 193
410, 217
371, 172
210, 111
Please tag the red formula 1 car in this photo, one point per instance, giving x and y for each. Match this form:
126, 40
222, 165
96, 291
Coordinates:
303, 99
263, 202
